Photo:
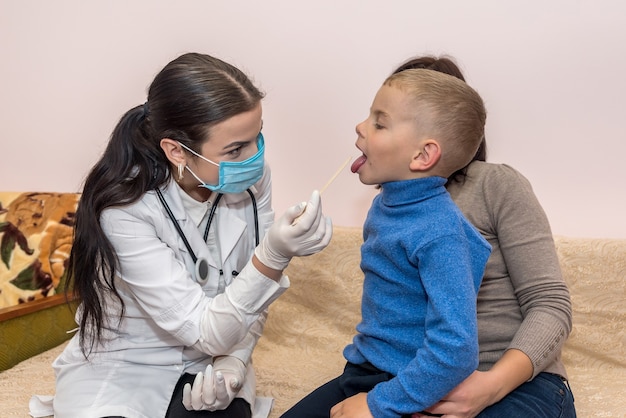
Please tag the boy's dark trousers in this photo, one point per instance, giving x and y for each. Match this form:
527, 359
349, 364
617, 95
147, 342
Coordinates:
356, 378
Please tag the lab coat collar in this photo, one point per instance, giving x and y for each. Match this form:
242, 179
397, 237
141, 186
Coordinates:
229, 226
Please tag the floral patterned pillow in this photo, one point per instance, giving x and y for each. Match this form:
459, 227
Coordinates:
36, 234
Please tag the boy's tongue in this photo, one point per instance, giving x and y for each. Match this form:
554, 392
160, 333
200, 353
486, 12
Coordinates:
358, 163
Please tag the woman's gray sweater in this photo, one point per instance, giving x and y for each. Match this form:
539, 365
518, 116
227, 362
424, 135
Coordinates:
523, 302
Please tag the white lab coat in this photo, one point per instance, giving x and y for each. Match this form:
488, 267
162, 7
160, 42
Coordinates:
133, 372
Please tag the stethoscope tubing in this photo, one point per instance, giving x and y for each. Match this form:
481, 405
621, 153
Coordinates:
176, 225
201, 265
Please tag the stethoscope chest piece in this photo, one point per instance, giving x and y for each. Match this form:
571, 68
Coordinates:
202, 271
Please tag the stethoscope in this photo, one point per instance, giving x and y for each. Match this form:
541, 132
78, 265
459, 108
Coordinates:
201, 264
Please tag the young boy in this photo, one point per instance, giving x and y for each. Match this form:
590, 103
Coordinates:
423, 261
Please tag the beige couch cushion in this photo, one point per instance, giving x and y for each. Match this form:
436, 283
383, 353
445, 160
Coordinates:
311, 323
595, 353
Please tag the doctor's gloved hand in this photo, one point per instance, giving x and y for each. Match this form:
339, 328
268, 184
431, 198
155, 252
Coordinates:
302, 230
217, 387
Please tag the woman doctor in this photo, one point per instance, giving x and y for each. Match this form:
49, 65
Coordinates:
176, 257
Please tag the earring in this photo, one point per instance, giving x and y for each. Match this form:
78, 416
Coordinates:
180, 172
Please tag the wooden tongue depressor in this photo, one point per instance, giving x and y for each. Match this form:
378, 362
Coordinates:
324, 187
339, 170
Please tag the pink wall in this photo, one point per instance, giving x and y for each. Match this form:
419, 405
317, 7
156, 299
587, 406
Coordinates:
551, 73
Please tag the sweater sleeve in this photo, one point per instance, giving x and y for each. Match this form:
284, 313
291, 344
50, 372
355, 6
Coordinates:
528, 249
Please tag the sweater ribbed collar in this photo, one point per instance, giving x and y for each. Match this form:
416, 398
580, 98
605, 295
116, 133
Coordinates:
404, 192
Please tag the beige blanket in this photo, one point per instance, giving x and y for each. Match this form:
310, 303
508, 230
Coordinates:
309, 326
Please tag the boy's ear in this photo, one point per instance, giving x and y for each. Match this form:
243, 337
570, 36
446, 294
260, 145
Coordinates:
173, 151
426, 156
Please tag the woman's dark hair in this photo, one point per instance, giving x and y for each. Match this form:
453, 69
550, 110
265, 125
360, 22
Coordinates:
187, 97
448, 66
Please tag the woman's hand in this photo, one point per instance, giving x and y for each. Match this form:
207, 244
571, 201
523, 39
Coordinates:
466, 400
353, 407
482, 389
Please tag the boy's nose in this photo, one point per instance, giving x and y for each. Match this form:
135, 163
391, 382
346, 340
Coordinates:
358, 130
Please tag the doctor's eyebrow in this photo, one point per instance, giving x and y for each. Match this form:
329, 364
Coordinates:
238, 144
235, 144
242, 143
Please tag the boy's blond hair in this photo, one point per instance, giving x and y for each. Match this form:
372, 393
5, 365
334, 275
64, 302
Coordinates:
447, 110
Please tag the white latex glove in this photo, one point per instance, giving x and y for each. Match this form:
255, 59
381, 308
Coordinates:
302, 230
217, 387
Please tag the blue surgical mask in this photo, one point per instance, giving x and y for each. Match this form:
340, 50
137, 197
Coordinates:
235, 176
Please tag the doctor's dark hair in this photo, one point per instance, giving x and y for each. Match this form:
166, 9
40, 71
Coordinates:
186, 99
446, 65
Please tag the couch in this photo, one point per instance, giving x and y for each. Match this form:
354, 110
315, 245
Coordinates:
35, 240
310, 324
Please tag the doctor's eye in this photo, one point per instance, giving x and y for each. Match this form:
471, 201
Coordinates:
235, 152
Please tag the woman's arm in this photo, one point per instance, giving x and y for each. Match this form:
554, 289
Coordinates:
482, 389
528, 250
514, 216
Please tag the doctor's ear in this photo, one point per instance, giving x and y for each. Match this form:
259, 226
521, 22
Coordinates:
426, 156
173, 151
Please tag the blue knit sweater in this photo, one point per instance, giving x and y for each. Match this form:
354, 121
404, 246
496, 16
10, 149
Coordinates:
423, 264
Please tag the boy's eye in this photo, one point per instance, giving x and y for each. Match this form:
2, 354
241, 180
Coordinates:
378, 126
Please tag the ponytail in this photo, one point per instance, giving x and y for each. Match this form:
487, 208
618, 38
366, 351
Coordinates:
130, 166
